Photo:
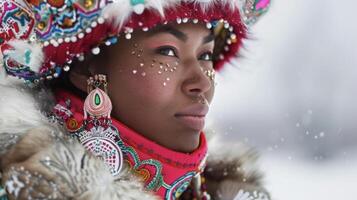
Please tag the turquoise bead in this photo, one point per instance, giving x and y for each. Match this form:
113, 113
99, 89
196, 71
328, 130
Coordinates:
136, 2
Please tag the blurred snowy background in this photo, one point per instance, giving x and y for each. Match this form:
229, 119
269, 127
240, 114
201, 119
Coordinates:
293, 96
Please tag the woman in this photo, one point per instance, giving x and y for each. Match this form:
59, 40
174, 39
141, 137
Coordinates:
125, 118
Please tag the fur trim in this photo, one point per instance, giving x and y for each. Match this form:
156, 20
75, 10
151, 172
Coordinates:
43, 164
233, 170
19, 111
119, 11
26, 54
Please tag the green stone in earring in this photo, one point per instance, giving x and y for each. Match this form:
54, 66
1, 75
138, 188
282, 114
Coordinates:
97, 99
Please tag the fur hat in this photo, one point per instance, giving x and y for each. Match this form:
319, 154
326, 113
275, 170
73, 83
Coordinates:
40, 38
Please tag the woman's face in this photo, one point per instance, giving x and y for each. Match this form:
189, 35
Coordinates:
161, 82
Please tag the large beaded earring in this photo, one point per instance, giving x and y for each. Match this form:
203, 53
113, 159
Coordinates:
98, 135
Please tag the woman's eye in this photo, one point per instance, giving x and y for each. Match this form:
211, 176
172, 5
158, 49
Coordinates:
167, 51
208, 56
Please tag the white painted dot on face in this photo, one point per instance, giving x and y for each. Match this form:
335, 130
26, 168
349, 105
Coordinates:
164, 84
159, 72
135, 71
168, 79
143, 74
141, 64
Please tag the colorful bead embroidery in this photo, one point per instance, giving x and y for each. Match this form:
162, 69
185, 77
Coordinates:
64, 18
16, 21
176, 189
253, 9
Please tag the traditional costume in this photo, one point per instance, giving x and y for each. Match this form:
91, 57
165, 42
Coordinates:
56, 145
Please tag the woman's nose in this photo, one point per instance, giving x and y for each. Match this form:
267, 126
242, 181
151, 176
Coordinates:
196, 80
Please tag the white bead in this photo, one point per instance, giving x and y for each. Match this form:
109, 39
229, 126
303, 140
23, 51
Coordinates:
226, 25
229, 41
128, 36
185, 20
209, 25
94, 24
67, 39
74, 39
96, 50
233, 36
195, 21
81, 35
66, 68
100, 20
145, 29
88, 30
179, 20
46, 43
107, 43
60, 40
81, 58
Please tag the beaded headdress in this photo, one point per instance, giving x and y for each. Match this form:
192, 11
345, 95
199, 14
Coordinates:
40, 38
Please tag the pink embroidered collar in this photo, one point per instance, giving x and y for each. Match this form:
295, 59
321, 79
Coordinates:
166, 172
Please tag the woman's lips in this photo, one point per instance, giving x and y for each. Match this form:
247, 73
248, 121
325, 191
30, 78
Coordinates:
196, 123
193, 117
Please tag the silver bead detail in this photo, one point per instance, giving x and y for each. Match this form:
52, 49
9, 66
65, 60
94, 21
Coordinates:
96, 50
81, 35
128, 36
101, 20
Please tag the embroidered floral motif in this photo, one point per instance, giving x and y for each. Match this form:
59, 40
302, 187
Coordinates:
176, 189
244, 195
155, 180
14, 185
25, 183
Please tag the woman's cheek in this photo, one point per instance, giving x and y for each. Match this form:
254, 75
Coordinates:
155, 80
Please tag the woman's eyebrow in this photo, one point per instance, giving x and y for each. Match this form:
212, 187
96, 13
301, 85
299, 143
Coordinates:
173, 31
179, 34
208, 38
